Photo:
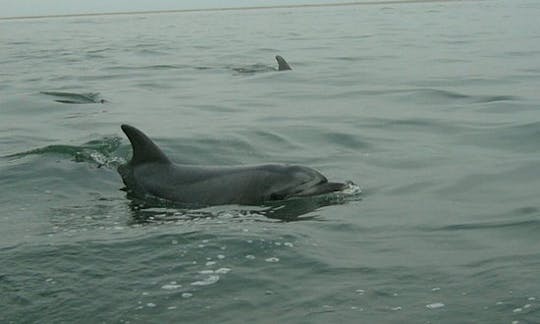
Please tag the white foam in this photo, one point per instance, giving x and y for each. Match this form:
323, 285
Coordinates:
250, 257
435, 305
208, 281
187, 295
171, 286
351, 189
206, 271
272, 259
222, 270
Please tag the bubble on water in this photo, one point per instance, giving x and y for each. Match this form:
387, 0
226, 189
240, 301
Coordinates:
272, 259
526, 306
515, 322
210, 263
531, 298
288, 244
250, 257
517, 310
144, 293
249, 241
208, 281
277, 243
187, 295
205, 241
221, 256
435, 305
171, 307
360, 291
201, 246
397, 308
151, 305
436, 289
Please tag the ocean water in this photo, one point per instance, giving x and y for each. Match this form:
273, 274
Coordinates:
432, 109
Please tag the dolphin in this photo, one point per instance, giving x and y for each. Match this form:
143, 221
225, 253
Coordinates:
150, 173
282, 64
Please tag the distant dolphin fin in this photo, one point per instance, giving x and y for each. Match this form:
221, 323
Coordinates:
282, 64
144, 150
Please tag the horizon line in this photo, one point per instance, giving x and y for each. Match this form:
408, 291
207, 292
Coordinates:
292, 6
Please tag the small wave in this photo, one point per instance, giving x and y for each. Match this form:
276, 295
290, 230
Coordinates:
347, 140
488, 99
431, 95
440, 94
99, 152
75, 98
254, 68
489, 225
520, 137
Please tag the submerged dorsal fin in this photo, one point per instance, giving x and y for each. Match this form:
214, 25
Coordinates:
144, 150
282, 64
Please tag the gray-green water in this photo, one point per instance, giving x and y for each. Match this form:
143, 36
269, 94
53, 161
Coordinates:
433, 109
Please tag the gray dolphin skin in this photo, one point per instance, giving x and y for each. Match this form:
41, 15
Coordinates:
151, 173
282, 64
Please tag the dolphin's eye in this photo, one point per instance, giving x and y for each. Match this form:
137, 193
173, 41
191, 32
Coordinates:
276, 196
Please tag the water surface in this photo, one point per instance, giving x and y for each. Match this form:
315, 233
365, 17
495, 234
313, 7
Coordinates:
431, 108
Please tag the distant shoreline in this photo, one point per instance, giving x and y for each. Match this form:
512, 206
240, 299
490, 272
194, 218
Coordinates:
152, 12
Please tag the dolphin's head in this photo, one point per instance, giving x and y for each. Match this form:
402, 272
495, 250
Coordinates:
302, 182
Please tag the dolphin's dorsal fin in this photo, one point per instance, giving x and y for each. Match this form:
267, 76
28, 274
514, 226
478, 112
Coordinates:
282, 64
144, 150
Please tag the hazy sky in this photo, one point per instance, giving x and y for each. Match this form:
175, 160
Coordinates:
12, 8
